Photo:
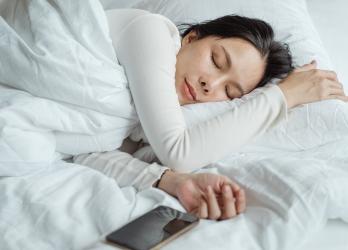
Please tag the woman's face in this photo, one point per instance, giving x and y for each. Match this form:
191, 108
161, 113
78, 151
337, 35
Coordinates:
214, 69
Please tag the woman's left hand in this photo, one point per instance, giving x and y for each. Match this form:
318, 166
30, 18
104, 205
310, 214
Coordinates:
208, 196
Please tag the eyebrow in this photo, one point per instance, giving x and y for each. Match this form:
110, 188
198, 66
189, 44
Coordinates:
228, 58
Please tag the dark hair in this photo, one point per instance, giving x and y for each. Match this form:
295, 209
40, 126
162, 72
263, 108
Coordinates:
257, 32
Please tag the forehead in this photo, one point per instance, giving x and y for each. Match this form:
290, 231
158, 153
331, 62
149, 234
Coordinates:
238, 47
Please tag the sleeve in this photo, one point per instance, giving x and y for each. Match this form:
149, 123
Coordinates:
123, 167
147, 51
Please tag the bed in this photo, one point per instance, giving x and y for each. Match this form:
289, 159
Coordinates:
333, 236
295, 177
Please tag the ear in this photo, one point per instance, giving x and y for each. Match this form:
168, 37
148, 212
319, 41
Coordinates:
190, 37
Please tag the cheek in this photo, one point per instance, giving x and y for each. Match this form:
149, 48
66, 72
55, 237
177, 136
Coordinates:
197, 59
200, 67
194, 64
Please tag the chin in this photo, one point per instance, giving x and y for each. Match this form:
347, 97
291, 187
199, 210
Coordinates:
182, 102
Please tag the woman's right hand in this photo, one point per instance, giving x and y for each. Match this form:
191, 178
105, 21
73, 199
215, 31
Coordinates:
308, 84
207, 195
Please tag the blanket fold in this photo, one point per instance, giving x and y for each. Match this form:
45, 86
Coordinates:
63, 90
62, 93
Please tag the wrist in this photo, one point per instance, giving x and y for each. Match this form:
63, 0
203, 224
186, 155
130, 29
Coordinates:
289, 102
170, 181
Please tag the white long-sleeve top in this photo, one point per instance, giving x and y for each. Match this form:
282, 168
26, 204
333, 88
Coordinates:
146, 45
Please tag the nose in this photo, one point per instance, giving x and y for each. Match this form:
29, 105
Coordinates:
209, 85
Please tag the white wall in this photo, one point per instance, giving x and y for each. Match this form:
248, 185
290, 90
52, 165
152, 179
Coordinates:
331, 19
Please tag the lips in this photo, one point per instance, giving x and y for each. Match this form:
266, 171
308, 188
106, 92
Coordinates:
192, 93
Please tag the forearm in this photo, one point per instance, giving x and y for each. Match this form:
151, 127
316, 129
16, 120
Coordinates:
123, 167
150, 70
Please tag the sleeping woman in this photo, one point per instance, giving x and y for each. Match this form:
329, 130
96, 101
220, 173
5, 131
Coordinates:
217, 60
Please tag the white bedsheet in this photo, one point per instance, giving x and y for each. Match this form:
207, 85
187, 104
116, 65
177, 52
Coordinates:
47, 203
333, 236
290, 197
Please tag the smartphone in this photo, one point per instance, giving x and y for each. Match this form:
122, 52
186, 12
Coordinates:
153, 229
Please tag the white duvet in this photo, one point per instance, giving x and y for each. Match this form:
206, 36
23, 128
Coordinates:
74, 96
60, 60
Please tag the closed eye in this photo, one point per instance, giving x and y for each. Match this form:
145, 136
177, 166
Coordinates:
227, 93
213, 60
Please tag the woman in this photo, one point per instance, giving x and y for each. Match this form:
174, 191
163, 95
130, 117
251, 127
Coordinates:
214, 61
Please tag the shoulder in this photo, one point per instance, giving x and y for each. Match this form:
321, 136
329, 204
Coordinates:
141, 22
123, 16
156, 22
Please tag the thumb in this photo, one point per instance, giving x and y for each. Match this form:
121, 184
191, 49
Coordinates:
306, 67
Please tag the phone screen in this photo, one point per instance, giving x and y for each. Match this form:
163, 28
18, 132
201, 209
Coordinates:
152, 229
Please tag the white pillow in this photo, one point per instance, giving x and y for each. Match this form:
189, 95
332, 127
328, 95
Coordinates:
289, 18
309, 125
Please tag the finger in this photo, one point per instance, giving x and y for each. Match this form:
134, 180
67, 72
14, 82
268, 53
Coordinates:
203, 209
219, 198
229, 208
329, 74
214, 211
241, 201
306, 67
339, 97
314, 62
235, 189
235, 186
337, 85
337, 91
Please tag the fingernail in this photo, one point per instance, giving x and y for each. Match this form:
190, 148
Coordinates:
226, 189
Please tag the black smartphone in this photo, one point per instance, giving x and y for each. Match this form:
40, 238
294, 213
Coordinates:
153, 229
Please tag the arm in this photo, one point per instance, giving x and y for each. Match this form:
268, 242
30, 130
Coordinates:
148, 53
200, 194
124, 168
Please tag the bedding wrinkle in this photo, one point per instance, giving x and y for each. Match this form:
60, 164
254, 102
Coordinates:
74, 90
79, 104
